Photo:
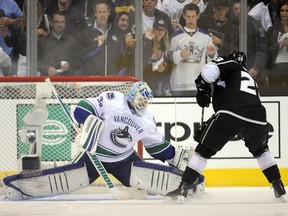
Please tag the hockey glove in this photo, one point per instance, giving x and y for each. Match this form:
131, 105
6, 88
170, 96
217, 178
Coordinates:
203, 97
199, 132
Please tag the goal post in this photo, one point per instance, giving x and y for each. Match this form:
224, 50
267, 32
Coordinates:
18, 95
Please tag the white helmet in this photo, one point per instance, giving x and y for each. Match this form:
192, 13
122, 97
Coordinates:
140, 96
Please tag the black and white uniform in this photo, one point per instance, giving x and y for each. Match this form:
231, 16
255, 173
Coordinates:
237, 106
238, 111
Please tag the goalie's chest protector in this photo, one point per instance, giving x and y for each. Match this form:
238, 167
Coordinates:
122, 127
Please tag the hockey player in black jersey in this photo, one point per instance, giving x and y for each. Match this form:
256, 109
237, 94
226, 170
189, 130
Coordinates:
238, 112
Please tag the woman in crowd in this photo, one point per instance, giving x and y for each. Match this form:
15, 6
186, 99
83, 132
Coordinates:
277, 53
21, 36
157, 67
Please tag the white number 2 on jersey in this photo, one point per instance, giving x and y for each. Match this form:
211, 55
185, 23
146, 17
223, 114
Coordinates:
248, 84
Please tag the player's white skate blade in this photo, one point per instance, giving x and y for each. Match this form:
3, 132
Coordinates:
180, 199
282, 199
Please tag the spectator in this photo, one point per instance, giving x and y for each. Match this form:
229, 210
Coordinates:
5, 60
86, 8
277, 52
157, 67
256, 45
252, 3
151, 13
103, 46
190, 49
75, 20
160, 4
121, 24
20, 38
209, 8
201, 4
58, 51
10, 14
266, 12
223, 32
127, 6
4, 70
174, 9
47, 7
116, 6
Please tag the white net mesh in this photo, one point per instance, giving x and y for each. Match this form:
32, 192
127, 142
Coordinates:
17, 98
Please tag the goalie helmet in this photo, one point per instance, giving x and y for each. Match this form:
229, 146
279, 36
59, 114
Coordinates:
239, 57
140, 96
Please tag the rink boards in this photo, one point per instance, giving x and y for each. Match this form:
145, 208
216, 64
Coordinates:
177, 118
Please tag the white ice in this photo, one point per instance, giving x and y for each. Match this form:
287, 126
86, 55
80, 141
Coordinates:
228, 201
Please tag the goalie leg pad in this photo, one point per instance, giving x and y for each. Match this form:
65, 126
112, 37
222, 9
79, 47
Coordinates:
154, 178
90, 133
45, 183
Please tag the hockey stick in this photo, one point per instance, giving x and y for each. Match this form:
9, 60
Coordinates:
97, 163
202, 115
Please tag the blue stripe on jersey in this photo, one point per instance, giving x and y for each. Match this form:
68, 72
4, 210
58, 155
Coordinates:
161, 151
83, 109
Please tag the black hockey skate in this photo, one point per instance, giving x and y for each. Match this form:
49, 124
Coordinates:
180, 193
278, 188
197, 186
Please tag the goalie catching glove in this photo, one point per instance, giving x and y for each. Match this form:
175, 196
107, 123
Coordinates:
203, 92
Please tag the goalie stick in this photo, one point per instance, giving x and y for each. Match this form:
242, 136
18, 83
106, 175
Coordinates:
96, 162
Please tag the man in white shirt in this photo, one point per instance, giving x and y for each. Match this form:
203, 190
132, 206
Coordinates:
190, 48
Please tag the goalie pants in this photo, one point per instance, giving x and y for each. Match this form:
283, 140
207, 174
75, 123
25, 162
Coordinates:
121, 170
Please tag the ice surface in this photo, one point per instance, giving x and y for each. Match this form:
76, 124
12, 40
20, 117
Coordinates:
238, 201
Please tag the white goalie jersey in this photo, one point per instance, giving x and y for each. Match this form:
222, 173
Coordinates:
123, 128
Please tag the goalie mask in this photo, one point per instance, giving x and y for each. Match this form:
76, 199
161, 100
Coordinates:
239, 57
140, 96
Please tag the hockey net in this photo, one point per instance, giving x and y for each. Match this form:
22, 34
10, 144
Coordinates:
18, 96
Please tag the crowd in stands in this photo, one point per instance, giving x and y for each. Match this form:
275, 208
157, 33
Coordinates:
97, 38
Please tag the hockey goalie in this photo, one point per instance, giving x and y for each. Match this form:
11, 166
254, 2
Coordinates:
111, 124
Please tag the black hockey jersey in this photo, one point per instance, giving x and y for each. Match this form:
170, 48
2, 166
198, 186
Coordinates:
236, 90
